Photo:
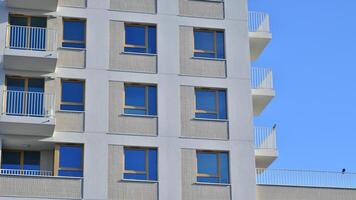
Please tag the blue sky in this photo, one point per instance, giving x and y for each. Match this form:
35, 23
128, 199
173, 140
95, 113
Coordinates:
312, 55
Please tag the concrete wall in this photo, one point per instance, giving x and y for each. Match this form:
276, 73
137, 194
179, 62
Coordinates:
199, 128
200, 8
192, 190
40, 187
303, 193
72, 3
143, 6
120, 189
123, 124
197, 66
125, 61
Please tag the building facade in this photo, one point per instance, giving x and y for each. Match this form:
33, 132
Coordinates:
137, 100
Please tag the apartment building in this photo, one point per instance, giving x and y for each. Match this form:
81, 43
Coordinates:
136, 100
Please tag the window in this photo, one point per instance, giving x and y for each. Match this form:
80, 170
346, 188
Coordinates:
74, 33
69, 159
140, 38
72, 95
140, 163
21, 160
210, 104
140, 99
209, 43
213, 167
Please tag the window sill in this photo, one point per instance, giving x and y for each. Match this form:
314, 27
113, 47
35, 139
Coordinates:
139, 54
214, 120
212, 59
73, 48
213, 184
144, 116
138, 181
70, 111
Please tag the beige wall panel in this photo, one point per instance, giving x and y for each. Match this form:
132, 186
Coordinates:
119, 189
73, 3
191, 190
198, 8
124, 61
193, 66
71, 58
194, 128
119, 123
46, 161
144, 6
69, 121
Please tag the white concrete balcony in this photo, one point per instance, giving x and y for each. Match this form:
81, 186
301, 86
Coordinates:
27, 113
305, 178
262, 88
46, 5
265, 146
39, 184
30, 49
259, 33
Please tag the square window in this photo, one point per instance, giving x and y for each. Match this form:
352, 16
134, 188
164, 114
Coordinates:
210, 104
32, 160
72, 98
70, 160
21, 160
140, 163
74, 33
140, 38
209, 43
213, 167
11, 160
140, 99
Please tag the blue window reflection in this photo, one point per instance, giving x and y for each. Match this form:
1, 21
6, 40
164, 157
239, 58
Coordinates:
140, 100
140, 164
213, 167
70, 160
209, 44
140, 39
210, 104
11, 160
72, 95
74, 33
24, 160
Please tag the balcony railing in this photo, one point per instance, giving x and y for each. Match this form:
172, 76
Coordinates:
304, 178
265, 138
23, 103
19, 172
30, 38
258, 22
261, 78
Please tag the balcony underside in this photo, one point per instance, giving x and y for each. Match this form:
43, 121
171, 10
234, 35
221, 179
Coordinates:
47, 5
23, 125
265, 157
39, 61
258, 42
261, 98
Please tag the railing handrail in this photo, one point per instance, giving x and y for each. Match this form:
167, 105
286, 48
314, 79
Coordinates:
305, 178
265, 137
26, 103
258, 22
21, 172
30, 38
261, 78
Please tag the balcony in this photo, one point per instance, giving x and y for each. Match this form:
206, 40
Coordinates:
265, 146
26, 113
30, 49
45, 5
259, 33
39, 184
262, 89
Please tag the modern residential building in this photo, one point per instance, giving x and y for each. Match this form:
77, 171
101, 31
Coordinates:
136, 100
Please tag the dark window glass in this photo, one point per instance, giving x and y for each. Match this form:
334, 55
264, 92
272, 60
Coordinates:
222, 104
206, 100
74, 33
152, 100
140, 164
39, 22
18, 21
213, 167
11, 160
140, 39
72, 95
70, 157
135, 96
70, 173
210, 104
220, 45
32, 160
208, 164
204, 40
209, 44
135, 100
